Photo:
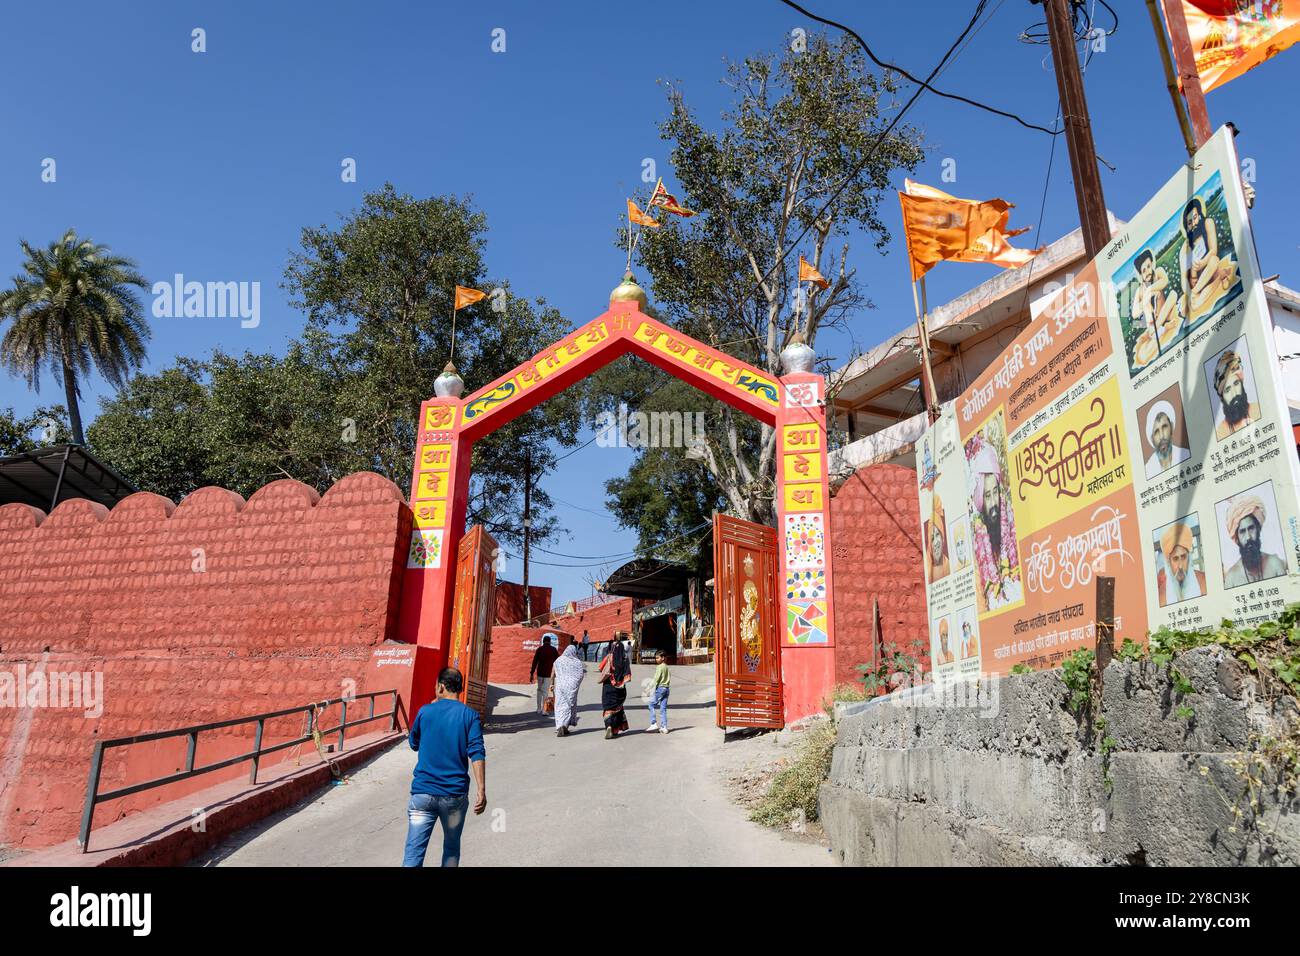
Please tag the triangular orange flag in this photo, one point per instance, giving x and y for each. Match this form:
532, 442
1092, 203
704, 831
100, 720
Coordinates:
939, 227
808, 274
667, 202
637, 216
466, 297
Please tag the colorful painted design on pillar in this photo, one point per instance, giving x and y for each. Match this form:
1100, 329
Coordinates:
426, 549
805, 542
804, 498
806, 622
431, 487
806, 585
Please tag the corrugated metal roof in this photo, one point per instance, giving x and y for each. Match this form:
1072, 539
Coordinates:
46, 476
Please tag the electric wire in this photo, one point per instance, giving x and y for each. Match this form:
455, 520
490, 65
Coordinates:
871, 151
925, 84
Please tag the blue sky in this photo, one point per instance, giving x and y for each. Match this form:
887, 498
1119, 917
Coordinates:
210, 164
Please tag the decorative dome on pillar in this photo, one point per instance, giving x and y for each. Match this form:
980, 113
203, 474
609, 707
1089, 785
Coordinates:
449, 384
629, 291
798, 356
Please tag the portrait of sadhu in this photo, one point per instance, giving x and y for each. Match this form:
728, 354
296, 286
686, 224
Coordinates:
993, 528
959, 535
1234, 399
1155, 306
1208, 268
936, 550
970, 644
943, 654
1162, 435
1178, 580
1245, 523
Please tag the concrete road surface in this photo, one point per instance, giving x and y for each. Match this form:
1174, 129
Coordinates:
640, 799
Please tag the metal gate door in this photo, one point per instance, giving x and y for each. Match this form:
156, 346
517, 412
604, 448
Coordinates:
472, 615
747, 649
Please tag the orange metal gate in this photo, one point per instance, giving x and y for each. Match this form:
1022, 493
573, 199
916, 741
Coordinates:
471, 628
747, 663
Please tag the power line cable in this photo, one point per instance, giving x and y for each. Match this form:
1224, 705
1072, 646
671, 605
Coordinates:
597, 560
871, 152
925, 84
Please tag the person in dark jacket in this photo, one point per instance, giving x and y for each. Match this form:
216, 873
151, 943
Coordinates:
543, 660
448, 737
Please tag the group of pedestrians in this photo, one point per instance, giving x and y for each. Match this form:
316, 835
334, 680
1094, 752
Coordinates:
447, 737
559, 677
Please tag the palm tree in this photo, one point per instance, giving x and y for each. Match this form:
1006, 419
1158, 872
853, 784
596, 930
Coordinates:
73, 309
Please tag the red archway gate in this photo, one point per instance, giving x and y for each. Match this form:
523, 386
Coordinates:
794, 405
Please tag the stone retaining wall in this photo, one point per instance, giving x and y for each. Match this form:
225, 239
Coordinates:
1013, 778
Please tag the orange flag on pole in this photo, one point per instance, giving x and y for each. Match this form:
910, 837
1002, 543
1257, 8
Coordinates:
637, 216
939, 227
808, 274
1230, 38
466, 297
667, 202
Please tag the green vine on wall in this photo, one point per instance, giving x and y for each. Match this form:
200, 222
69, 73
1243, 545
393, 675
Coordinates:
1271, 652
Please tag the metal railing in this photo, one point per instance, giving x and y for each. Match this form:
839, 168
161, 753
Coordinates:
94, 797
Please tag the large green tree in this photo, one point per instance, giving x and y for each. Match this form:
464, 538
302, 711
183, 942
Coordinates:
72, 310
154, 430
798, 165
381, 285
46, 425
345, 395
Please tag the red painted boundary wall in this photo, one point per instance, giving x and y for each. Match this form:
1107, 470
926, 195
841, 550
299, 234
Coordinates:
876, 534
218, 608
513, 648
207, 610
510, 602
600, 622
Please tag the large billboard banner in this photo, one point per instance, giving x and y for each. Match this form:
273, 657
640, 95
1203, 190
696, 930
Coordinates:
1135, 429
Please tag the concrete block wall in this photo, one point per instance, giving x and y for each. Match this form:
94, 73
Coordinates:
1014, 779
210, 609
876, 534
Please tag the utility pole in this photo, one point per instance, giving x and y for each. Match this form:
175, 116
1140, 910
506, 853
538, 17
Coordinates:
528, 525
1078, 128
1171, 78
1189, 79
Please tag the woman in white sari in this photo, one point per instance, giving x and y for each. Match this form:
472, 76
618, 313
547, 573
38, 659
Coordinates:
568, 673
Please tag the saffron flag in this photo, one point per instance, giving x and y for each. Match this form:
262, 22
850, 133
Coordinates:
637, 216
939, 227
466, 297
667, 201
808, 274
1231, 37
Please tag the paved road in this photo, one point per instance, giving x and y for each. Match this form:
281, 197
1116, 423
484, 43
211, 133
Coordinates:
581, 800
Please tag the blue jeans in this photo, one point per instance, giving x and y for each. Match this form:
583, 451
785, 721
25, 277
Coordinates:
424, 811
659, 698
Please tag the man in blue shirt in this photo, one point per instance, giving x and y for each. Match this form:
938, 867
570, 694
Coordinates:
448, 737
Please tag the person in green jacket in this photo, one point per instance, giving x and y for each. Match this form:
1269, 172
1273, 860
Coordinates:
659, 694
